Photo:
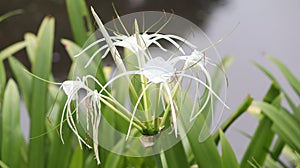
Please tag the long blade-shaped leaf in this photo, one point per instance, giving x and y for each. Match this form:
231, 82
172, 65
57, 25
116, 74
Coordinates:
71, 48
176, 157
2, 87
2, 80
293, 81
263, 136
285, 125
10, 50
80, 20
31, 43
206, 153
11, 130
10, 14
41, 67
23, 79
76, 161
228, 157
235, 115
275, 82
59, 153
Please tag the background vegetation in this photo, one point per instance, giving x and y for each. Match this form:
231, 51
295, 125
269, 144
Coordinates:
277, 132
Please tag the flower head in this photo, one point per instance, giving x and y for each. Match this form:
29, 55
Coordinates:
169, 74
90, 99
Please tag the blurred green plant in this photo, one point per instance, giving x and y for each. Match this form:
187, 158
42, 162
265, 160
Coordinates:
278, 125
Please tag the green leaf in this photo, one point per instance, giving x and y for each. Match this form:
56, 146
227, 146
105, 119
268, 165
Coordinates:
235, 115
23, 80
10, 50
31, 43
2, 81
59, 154
77, 157
228, 157
292, 156
71, 47
285, 125
10, 14
3, 165
175, 156
218, 76
277, 149
293, 81
89, 159
112, 160
205, 153
2, 87
275, 82
261, 141
12, 144
41, 67
80, 20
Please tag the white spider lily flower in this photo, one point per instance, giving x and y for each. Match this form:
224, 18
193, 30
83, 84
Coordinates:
155, 74
158, 70
135, 43
162, 73
91, 100
197, 60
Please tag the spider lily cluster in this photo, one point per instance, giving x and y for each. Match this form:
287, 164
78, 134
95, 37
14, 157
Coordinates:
155, 73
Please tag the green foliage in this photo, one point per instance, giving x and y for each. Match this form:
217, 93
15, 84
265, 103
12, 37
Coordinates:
10, 14
77, 158
5, 53
262, 137
228, 157
13, 143
45, 148
80, 20
41, 66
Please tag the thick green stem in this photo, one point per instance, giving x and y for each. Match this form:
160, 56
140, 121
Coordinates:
155, 121
137, 124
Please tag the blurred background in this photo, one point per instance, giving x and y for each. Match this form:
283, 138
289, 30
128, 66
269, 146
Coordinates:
269, 26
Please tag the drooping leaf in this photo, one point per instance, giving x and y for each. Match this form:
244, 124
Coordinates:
10, 14
10, 50
273, 79
285, 125
13, 143
293, 81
